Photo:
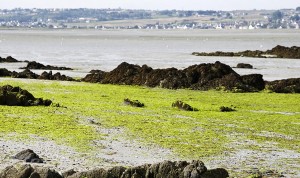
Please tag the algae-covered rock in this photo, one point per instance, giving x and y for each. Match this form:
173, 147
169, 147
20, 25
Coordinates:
15, 96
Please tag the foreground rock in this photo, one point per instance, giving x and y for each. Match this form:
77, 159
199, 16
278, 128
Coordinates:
28, 156
8, 59
15, 96
291, 85
196, 77
27, 171
166, 169
276, 52
36, 65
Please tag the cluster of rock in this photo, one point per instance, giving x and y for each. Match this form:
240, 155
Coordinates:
166, 169
196, 77
30, 75
8, 59
291, 85
36, 65
15, 96
276, 52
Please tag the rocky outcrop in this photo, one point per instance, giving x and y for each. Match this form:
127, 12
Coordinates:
166, 169
57, 76
5, 73
291, 85
36, 65
27, 171
276, 52
8, 59
24, 74
28, 156
15, 96
197, 77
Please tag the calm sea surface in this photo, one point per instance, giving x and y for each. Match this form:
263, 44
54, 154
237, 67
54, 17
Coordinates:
96, 49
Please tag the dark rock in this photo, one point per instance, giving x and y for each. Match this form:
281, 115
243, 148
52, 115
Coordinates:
25, 74
197, 77
134, 103
244, 65
253, 82
15, 96
183, 106
5, 73
28, 156
95, 76
36, 65
291, 85
57, 76
8, 59
276, 52
226, 109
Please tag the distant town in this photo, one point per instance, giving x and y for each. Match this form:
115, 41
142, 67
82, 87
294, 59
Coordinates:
102, 19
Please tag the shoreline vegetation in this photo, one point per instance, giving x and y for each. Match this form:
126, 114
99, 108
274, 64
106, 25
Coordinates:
262, 123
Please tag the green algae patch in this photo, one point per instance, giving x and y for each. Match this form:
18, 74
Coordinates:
260, 117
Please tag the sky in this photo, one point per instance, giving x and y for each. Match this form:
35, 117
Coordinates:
154, 4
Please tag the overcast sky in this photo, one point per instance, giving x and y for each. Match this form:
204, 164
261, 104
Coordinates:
154, 4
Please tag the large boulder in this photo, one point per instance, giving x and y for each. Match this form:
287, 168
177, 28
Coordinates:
5, 73
197, 77
15, 96
291, 85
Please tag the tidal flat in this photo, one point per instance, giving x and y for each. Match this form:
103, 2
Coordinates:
88, 125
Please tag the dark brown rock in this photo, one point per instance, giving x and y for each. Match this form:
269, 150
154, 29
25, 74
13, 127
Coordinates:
24, 74
15, 96
197, 77
276, 52
244, 65
8, 59
57, 76
36, 65
5, 73
291, 85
